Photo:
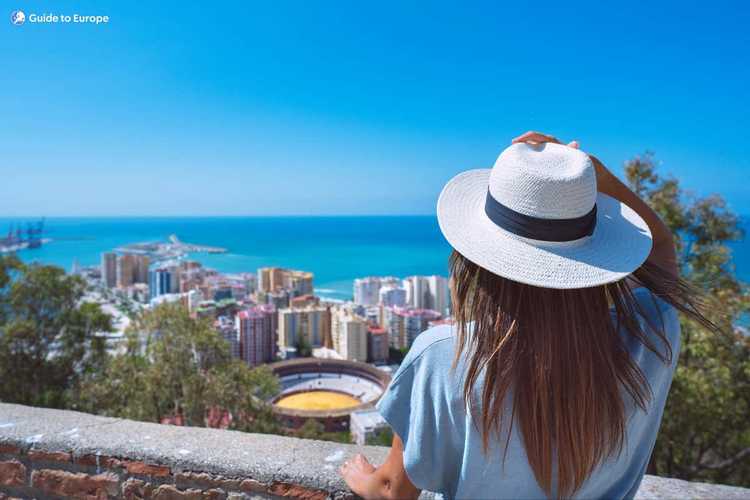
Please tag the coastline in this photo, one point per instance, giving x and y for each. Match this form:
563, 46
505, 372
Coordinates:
337, 249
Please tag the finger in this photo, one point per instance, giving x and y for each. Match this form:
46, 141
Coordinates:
536, 137
524, 137
574, 144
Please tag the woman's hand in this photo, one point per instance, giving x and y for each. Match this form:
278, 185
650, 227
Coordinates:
387, 481
359, 475
603, 175
662, 251
539, 138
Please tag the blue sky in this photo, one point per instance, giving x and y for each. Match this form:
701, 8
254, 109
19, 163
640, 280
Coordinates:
177, 108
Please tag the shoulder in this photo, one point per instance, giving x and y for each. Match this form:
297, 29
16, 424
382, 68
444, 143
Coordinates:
432, 348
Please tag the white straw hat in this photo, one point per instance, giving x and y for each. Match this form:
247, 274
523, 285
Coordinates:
536, 218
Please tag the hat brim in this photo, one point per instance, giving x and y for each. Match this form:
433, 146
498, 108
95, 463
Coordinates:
620, 243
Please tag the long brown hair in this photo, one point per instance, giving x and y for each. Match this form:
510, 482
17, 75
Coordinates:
564, 356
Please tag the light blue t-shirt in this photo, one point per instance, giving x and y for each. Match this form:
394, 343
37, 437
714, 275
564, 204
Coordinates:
443, 449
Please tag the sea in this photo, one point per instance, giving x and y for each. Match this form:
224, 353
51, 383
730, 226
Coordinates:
336, 249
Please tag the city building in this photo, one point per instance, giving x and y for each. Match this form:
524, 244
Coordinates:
138, 292
392, 296
143, 263
159, 282
438, 294
174, 282
377, 343
304, 301
349, 334
206, 309
165, 298
302, 282
109, 269
188, 284
228, 331
223, 292
251, 282
366, 291
279, 298
127, 266
192, 299
226, 307
366, 424
427, 292
239, 291
257, 334
270, 278
374, 314
311, 322
404, 324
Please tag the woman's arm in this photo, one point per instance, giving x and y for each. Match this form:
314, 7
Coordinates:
387, 481
662, 251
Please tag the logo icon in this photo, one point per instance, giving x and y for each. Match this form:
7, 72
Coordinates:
18, 17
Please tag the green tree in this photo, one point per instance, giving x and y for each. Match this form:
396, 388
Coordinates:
705, 431
304, 348
314, 429
176, 366
50, 336
384, 438
397, 354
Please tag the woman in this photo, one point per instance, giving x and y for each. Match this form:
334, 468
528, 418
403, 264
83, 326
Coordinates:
553, 381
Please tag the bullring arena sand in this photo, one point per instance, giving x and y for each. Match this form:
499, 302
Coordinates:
317, 400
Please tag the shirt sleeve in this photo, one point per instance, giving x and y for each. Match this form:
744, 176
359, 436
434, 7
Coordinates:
416, 406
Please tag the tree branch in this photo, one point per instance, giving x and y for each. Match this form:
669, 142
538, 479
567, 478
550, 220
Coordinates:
721, 464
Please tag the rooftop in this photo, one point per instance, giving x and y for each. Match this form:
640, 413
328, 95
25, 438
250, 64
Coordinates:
369, 419
78, 455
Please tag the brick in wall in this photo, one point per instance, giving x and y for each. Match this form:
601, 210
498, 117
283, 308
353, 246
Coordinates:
293, 490
12, 473
169, 492
54, 456
75, 485
7, 448
98, 461
147, 469
135, 489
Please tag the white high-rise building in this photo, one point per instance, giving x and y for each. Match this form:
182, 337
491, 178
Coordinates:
392, 296
349, 332
439, 294
174, 270
192, 299
109, 269
417, 292
427, 292
405, 324
367, 290
390, 281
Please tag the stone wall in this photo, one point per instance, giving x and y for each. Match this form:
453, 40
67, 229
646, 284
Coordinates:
54, 454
